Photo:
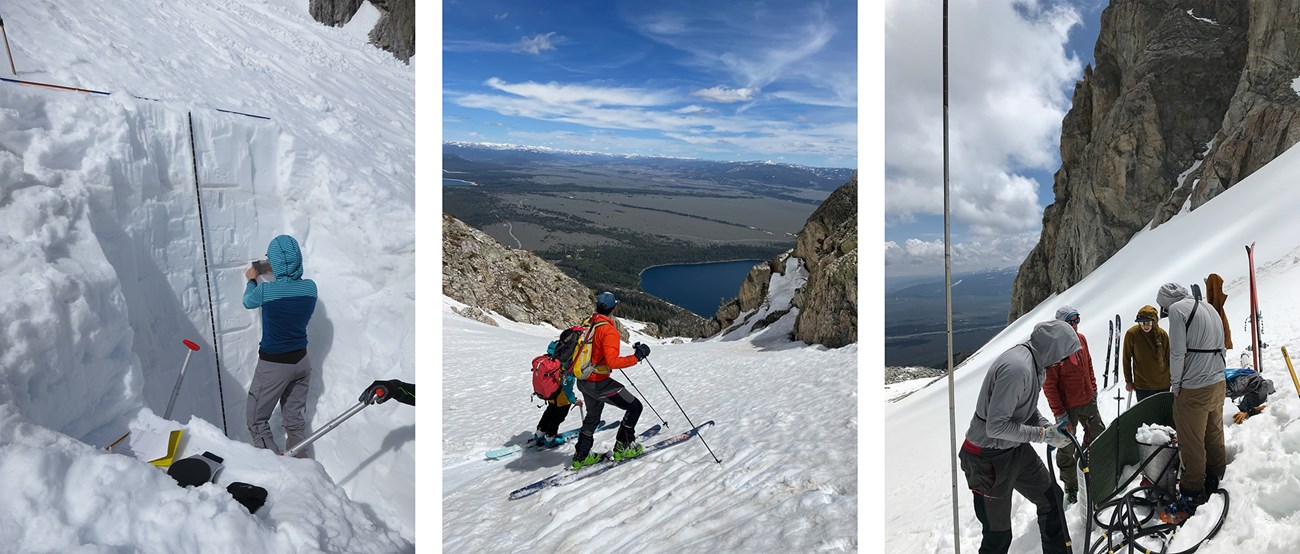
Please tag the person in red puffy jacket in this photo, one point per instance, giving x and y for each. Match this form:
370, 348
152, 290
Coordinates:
599, 389
1071, 390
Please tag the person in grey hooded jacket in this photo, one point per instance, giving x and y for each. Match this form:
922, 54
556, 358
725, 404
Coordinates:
996, 456
1197, 359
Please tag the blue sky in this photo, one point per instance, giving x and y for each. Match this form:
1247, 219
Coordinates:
1013, 65
715, 80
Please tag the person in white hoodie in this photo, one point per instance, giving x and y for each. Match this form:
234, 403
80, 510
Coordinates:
996, 456
1197, 359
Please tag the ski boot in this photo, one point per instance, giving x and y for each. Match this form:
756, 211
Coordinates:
547, 441
626, 451
584, 462
1179, 510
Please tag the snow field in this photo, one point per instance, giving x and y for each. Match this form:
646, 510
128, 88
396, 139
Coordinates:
1263, 453
785, 430
100, 238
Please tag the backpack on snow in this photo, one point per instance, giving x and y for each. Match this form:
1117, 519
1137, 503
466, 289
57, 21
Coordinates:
548, 369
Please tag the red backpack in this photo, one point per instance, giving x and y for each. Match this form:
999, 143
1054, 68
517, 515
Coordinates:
546, 377
548, 369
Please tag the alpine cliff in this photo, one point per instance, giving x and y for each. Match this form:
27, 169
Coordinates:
1187, 98
486, 275
394, 32
827, 249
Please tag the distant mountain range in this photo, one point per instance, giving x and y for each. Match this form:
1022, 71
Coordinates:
459, 157
915, 315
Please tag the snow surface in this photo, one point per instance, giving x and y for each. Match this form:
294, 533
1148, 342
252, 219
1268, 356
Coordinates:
1263, 474
1153, 434
100, 247
786, 432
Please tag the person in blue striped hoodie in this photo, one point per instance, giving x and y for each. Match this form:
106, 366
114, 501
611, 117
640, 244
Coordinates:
283, 369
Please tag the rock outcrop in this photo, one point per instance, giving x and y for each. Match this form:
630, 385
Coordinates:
482, 273
394, 32
827, 247
1168, 76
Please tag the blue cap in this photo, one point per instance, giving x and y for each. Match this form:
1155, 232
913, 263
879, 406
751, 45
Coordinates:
605, 300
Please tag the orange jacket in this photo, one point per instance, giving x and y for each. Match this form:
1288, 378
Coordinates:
1073, 384
604, 348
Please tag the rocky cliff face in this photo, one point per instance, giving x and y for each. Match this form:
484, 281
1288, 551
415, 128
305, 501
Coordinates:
1167, 84
828, 245
827, 302
395, 31
480, 272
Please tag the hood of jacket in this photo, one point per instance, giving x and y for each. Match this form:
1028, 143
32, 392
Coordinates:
1052, 341
1170, 293
285, 258
1150, 312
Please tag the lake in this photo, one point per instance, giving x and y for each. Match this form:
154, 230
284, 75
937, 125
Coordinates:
699, 288
456, 182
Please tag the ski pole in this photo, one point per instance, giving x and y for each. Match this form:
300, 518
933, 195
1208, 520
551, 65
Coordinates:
7, 51
329, 426
175, 391
679, 407
1291, 368
647, 400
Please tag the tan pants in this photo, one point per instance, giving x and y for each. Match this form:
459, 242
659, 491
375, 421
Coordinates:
1198, 418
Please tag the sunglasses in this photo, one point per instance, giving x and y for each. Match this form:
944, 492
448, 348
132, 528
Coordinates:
1073, 319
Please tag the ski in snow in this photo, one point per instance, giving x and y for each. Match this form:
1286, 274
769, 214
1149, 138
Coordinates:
1256, 335
1118, 336
566, 477
1105, 369
530, 446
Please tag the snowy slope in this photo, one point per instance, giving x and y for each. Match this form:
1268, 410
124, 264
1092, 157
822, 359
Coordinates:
1263, 475
101, 247
786, 433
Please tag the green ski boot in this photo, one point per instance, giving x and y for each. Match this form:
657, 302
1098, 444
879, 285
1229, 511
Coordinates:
626, 451
584, 462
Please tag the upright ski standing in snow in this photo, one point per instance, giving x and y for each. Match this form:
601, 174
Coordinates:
1105, 370
1256, 336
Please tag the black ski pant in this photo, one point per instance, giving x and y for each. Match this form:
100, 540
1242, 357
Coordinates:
992, 475
552, 418
596, 395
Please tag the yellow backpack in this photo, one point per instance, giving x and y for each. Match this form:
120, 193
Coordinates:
582, 366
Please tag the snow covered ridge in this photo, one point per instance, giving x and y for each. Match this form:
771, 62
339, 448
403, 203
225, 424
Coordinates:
548, 150
1261, 471
99, 230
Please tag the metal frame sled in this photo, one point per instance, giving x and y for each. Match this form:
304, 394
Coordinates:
1132, 514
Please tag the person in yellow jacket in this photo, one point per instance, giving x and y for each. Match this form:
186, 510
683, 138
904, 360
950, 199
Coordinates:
1146, 355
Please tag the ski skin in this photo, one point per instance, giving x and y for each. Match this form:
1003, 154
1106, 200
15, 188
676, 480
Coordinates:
507, 451
566, 477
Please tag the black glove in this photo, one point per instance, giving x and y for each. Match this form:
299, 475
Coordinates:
381, 391
641, 351
377, 392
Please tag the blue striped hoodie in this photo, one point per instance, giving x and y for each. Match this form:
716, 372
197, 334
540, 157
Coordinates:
287, 303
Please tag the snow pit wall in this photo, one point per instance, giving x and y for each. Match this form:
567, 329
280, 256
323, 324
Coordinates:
100, 243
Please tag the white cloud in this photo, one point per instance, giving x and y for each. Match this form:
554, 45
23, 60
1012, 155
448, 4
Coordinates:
1010, 80
726, 95
558, 94
802, 48
693, 108
922, 257
501, 16
538, 43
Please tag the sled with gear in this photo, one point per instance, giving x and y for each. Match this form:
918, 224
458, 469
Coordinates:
1137, 517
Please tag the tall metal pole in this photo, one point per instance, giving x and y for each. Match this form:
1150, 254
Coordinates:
947, 287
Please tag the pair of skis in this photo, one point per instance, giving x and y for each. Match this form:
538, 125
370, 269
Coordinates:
566, 477
1256, 330
1112, 345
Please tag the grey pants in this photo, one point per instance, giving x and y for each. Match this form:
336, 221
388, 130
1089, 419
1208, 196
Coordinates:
283, 383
